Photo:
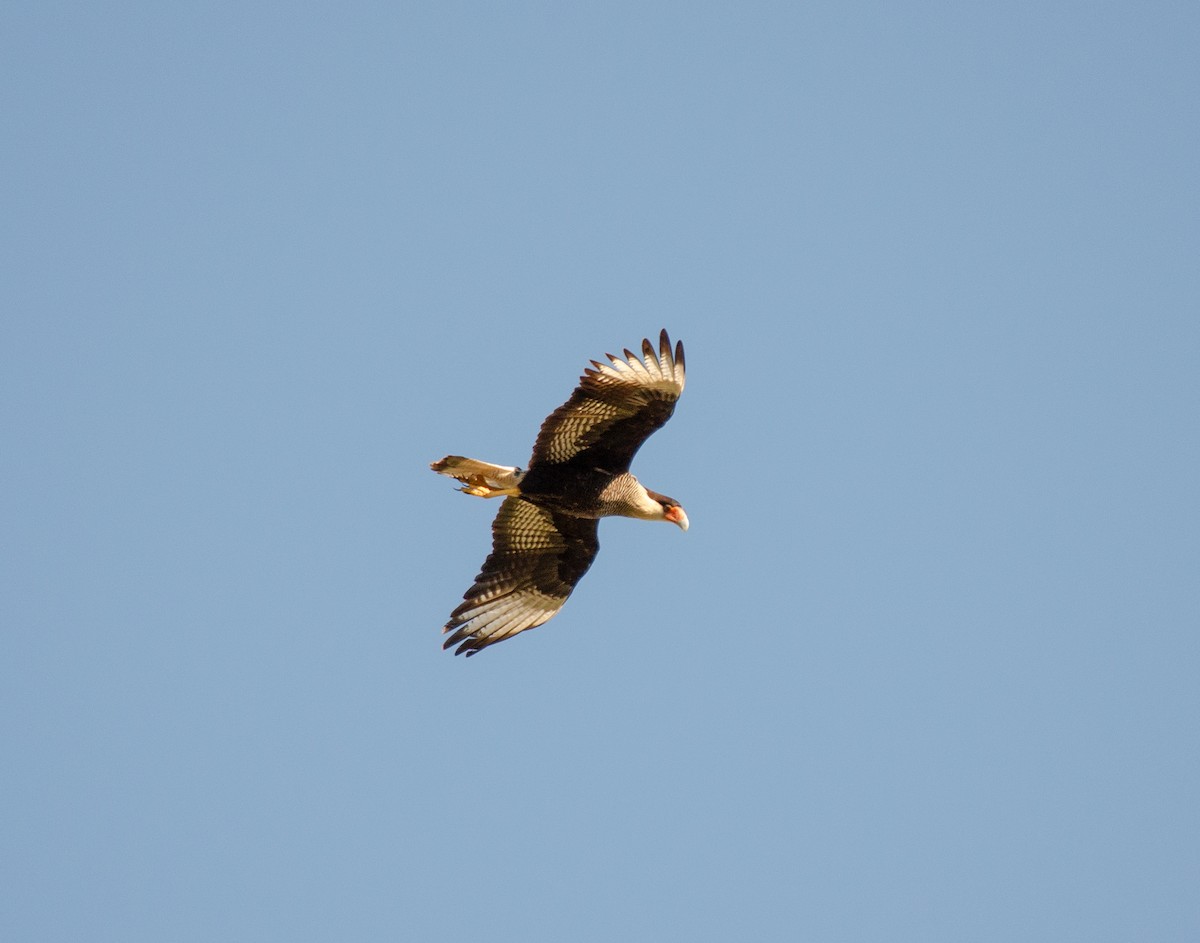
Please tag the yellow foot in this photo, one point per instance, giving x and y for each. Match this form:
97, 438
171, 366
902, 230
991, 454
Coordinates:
478, 486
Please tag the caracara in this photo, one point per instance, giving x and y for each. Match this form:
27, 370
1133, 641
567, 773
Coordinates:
544, 536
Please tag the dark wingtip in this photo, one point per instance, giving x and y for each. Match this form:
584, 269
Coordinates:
664, 348
466, 644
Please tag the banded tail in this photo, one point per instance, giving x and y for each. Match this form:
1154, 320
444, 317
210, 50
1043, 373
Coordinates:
482, 479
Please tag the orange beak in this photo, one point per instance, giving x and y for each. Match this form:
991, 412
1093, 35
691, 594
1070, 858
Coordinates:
676, 516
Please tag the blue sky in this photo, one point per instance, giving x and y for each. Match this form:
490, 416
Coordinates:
925, 666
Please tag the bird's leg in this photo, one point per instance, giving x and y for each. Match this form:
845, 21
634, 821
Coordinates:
478, 486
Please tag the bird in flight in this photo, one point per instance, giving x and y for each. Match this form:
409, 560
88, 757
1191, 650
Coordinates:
544, 536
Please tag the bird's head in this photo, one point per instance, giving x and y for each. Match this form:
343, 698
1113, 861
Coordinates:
672, 510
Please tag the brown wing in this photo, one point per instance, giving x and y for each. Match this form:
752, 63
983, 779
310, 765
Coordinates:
614, 409
537, 558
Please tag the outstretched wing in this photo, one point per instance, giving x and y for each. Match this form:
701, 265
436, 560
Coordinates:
537, 558
614, 409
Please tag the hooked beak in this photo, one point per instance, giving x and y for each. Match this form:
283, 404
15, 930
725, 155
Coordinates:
677, 517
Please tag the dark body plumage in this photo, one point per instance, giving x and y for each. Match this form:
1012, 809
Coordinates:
571, 487
545, 536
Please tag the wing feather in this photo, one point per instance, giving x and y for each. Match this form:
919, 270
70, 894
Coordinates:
614, 409
537, 558
651, 358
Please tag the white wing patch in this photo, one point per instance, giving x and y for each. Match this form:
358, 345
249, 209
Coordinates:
651, 371
505, 615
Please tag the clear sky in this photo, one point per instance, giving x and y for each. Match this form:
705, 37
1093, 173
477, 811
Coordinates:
925, 668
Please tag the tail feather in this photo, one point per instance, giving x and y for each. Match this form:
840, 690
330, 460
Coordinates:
482, 479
